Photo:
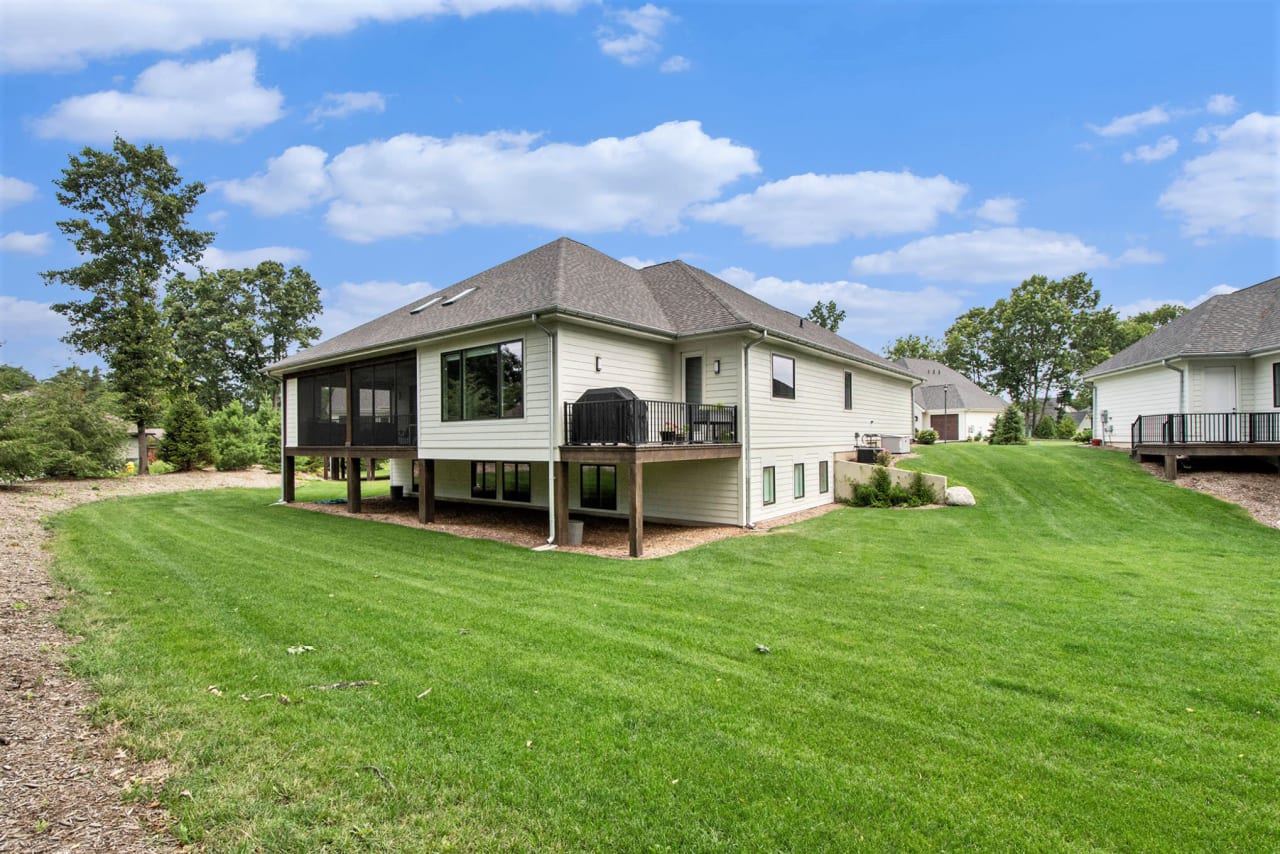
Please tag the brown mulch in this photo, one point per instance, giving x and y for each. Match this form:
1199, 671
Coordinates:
602, 536
1256, 491
63, 780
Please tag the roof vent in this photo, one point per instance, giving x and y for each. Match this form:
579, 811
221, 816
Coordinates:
451, 300
425, 305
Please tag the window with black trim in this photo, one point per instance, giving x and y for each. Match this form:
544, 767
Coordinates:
598, 486
797, 478
482, 383
784, 377
769, 485
516, 483
824, 477
1275, 384
848, 389
484, 480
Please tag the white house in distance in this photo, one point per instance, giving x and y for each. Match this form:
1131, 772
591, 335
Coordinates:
1206, 383
951, 403
564, 379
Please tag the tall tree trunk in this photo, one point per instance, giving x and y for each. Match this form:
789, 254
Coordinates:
143, 467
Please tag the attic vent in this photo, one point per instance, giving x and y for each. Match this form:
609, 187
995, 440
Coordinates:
451, 300
425, 305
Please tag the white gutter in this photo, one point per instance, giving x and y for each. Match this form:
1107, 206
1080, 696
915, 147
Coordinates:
745, 427
552, 407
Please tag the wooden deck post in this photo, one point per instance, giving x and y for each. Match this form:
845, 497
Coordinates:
562, 503
287, 474
353, 484
635, 516
426, 491
1171, 466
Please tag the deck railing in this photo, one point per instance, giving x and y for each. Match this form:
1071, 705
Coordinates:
1206, 428
649, 422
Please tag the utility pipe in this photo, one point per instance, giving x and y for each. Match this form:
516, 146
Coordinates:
552, 407
745, 427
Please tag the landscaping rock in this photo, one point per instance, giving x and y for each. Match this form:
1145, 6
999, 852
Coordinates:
959, 496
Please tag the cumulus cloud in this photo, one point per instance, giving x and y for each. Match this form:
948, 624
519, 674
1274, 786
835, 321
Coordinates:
237, 259
805, 210
1215, 291
350, 304
995, 255
1222, 105
41, 35
217, 99
674, 65
337, 105
293, 181
1002, 210
640, 39
871, 312
14, 191
1140, 255
25, 244
1159, 150
638, 263
1234, 189
1150, 304
1132, 123
420, 184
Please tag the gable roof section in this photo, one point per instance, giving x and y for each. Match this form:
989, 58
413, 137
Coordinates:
1240, 323
565, 276
963, 393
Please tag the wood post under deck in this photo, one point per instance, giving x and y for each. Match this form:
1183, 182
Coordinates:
562, 503
426, 491
635, 515
353, 484
287, 475
1171, 466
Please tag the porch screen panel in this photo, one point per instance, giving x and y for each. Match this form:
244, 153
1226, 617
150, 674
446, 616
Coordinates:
322, 409
384, 395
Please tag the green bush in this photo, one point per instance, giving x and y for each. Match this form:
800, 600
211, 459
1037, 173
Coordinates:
187, 443
63, 427
884, 458
1046, 428
1009, 428
920, 490
1066, 427
240, 439
927, 436
161, 467
1085, 435
881, 491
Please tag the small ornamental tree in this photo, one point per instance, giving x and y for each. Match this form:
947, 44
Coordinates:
1046, 428
187, 442
1066, 427
1008, 429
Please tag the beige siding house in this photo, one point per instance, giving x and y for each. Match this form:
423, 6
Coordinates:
951, 403
569, 381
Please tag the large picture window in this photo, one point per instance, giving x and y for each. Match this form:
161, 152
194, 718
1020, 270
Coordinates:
784, 377
598, 487
482, 383
516, 485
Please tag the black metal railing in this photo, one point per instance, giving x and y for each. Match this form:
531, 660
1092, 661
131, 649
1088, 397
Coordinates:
1204, 428
649, 422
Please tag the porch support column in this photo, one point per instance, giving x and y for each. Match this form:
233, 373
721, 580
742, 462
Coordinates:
1171, 466
562, 503
426, 491
635, 518
287, 478
353, 484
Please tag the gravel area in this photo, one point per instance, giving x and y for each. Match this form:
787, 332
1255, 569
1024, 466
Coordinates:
62, 780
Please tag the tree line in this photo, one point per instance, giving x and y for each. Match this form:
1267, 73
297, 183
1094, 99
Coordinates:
169, 340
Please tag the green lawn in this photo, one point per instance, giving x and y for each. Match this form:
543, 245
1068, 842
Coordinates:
1088, 659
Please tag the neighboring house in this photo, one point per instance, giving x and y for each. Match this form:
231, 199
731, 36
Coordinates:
1207, 382
951, 403
711, 406
154, 435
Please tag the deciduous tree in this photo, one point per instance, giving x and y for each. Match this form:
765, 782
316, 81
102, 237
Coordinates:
827, 315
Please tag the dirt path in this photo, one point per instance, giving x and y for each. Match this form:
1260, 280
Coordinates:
61, 779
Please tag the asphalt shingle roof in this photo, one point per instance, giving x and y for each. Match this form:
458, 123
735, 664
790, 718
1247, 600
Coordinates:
565, 276
961, 392
1240, 323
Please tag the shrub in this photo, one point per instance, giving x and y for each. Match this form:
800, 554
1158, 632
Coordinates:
920, 490
884, 458
927, 436
1009, 428
1066, 427
187, 443
1046, 428
1085, 435
881, 491
161, 467
239, 439
62, 427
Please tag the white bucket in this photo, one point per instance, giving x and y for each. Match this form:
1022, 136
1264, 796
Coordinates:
575, 532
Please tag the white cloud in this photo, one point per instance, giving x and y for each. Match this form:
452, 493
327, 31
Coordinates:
1215, 291
804, 210
237, 259
26, 244
638, 263
995, 255
674, 65
24, 318
337, 105
1132, 123
1140, 255
870, 312
1222, 105
640, 40
41, 35
295, 180
1150, 304
1234, 189
350, 304
217, 99
1162, 148
1002, 210
420, 184
14, 191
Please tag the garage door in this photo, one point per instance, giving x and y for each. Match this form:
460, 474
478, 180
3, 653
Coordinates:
948, 426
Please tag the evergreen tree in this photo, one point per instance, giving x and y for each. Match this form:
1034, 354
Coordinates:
1009, 428
187, 442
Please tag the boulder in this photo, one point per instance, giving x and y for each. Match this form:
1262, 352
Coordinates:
959, 496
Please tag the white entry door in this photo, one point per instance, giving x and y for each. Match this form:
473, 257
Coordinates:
1220, 389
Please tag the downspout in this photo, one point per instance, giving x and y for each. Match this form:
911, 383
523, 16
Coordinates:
745, 427
1182, 384
553, 403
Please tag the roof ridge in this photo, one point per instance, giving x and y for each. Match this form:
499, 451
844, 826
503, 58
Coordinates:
692, 271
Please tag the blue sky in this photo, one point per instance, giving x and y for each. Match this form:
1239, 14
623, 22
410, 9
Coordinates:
908, 160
